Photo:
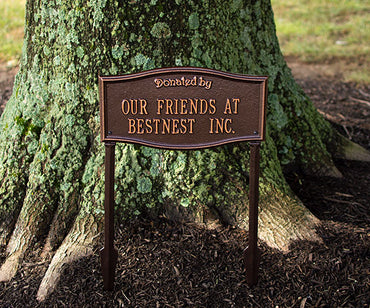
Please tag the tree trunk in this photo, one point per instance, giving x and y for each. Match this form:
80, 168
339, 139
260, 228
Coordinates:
51, 156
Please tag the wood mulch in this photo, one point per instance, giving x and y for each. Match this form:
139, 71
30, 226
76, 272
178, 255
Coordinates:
166, 264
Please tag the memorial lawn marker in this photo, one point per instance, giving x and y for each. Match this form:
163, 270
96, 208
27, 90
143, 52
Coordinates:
182, 108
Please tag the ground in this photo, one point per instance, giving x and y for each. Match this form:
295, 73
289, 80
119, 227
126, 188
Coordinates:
165, 264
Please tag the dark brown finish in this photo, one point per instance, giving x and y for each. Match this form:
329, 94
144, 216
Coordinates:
182, 108
109, 254
252, 253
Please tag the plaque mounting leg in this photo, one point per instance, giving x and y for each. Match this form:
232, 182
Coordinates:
252, 254
109, 254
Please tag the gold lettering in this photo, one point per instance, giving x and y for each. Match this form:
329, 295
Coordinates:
140, 123
191, 122
156, 121
220, 126
183, 109
211, 128
160, 103
132, 106
131, 126
212, 105
205, 83
176, 105
148, 124
236, 101
203, 106
166, 125
142, 126
175, 129
228, 107
193, 106
143, 104
183, 128
169, 104
228, 129
125, 107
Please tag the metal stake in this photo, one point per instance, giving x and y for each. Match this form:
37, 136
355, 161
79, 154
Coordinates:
109, 254
252, 254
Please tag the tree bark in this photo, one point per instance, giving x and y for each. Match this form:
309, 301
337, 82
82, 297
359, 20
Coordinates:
51, 157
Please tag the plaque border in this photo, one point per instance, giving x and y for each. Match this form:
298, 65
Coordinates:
104, 80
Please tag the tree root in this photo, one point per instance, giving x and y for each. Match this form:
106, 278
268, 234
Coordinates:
324, 169
10, 266
285, 220
78, 243
346, 149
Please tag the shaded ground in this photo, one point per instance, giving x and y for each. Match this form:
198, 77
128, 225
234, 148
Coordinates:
163, 264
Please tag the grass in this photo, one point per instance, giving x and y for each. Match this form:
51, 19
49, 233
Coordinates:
11, 29
326, 31
309, 30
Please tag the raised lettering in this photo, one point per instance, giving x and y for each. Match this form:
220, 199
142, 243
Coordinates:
132, 106
228, 107
203, 106
125, 107
183, 109
176, 106
165, 126
236, 101
148, 124
212, 105
220, 126
143, 104
140, 123
228, 130
158, 83
169, 104
211, 125
160, 103
191, 122
183, 128
131, 126
156, 121
193, 106
175, 129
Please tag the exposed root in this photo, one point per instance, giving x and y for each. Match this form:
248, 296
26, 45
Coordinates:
77, 244
328, 169
350, 150
60, 225
10, 266
284, 220
17, 246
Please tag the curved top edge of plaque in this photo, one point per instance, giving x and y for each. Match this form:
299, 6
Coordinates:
184, 69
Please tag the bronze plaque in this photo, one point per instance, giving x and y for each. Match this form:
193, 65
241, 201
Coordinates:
182, 108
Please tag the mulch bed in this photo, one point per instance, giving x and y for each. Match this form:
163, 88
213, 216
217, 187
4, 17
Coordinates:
166, 264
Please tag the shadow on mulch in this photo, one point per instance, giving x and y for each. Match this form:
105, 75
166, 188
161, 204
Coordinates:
162, 264
165, 264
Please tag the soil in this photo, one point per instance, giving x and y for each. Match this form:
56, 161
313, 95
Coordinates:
166, 264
